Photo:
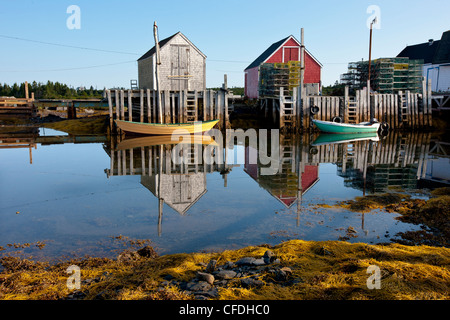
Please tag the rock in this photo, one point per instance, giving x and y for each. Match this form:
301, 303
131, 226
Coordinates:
211, 266
213, 293
168, 277
209, 278
281, 275
269, 257
128, 256
245, 261
259, 262
324, 251
198, 286
147, 252
287, 270
226, 274
251, 283
351, 230
229, 265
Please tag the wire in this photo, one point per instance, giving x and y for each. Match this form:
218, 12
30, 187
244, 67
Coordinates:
74, 68
67, 46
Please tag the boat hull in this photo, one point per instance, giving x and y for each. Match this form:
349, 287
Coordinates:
166, 140
165, 129
329, 138
334, 127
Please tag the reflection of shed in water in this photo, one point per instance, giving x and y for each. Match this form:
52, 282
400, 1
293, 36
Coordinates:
179, 191
284, 185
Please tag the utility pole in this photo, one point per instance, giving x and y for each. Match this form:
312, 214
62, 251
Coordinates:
370, 50
158, 63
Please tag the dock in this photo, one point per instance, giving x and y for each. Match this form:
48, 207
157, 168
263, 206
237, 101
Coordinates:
181, 106
12, 107
401, 110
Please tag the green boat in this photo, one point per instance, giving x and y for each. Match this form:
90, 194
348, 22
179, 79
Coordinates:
336, 127
327, 138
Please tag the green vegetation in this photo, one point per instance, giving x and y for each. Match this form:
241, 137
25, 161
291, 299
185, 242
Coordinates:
334, 90
49, 90
235, 90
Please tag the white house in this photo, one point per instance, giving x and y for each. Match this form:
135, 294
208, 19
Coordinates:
436, 56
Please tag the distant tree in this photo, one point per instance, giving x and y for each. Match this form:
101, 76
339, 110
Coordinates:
334, 90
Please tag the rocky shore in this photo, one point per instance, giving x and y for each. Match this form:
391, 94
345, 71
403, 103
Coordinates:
307, 270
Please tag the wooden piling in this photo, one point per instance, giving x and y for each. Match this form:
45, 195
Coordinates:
122, 105
141, 105
130, 105
149, 107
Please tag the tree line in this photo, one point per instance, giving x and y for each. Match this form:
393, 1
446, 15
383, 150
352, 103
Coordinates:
49, 90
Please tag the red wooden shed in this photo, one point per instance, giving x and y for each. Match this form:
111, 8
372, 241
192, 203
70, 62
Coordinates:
283, 51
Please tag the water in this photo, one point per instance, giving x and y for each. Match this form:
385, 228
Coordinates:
77, 196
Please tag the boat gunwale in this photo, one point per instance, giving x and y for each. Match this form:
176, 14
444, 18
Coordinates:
348, 125
169, 124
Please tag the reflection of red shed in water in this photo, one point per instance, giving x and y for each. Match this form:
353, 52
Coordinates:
283, 186
283, 51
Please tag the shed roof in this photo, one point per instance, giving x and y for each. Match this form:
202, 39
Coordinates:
442, 54
438, 52
272, 49
163, 42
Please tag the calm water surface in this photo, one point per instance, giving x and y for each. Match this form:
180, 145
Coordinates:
76, 196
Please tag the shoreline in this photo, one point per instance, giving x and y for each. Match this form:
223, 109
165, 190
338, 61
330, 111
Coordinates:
292, 270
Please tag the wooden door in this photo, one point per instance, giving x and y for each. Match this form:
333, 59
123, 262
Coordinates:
179, 55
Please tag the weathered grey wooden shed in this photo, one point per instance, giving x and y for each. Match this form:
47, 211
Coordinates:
183, 66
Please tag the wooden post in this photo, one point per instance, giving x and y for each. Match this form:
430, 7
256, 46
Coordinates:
154, 107
149, 120
166, 106
206, 103
184, 105
158, 63
395, 106
26, 90
424, 102
141, 104
211, 105
219, 107
357, 105
117, 98
122, 105
225, 100
346, 104
301, 96
108, 95
306, 104
196, 105
429, 104
130, 105
375, 106
172, 107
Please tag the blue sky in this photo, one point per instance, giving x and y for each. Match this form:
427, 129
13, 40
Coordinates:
231, 34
